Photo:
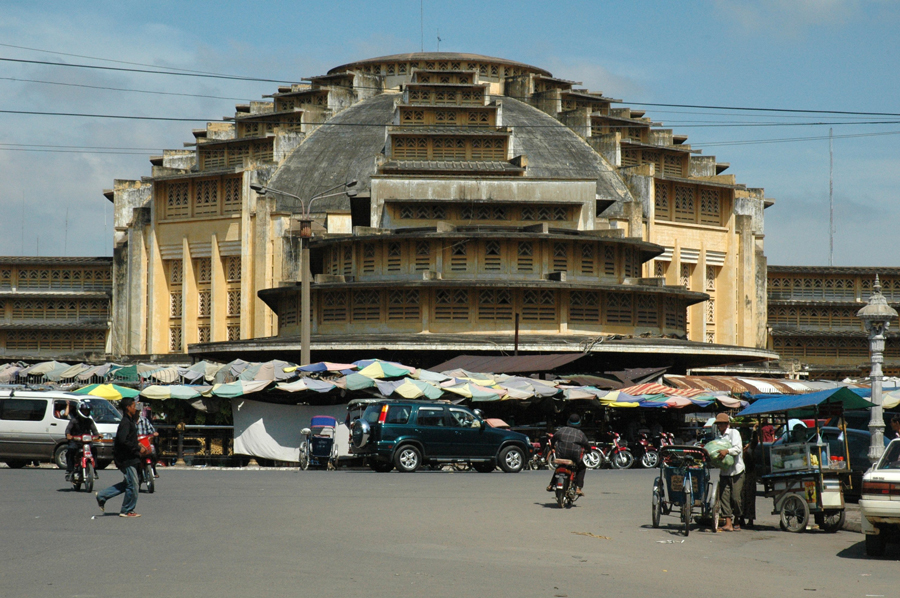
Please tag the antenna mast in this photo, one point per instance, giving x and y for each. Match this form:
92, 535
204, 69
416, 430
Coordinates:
831, 195
422, 23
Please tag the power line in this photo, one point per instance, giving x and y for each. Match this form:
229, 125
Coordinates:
165, 93
259, 118
799, 110
190, 72
172, 68
139, 151
152, 149
144, 71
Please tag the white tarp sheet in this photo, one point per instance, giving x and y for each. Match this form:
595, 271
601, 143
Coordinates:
267, 430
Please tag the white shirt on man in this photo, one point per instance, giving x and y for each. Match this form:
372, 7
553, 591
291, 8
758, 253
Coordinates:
736, 451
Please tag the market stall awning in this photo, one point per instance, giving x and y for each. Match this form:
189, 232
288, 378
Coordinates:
805, 404
174, 391
651, 388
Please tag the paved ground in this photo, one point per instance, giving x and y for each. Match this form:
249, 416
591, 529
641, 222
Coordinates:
359, 533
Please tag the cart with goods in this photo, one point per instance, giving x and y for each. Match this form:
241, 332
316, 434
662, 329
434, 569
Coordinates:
801, 475
684, 487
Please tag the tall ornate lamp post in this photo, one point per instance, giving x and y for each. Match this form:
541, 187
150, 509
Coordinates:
305, 233
876, 316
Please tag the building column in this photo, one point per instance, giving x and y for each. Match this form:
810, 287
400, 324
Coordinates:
157, 300
189, 298
217, 314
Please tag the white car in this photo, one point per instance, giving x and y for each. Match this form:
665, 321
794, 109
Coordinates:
880, 502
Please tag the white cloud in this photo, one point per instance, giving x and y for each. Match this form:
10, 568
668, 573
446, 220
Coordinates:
787, 17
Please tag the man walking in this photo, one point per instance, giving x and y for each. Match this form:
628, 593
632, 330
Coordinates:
127, 452
731, 480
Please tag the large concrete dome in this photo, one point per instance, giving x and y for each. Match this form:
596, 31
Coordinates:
436, 57
350, 145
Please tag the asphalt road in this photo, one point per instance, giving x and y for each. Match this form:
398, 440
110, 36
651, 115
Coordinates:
359, 533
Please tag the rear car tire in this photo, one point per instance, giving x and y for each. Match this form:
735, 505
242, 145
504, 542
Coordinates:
16, 463
380, 466
483, 467
875, 544
408, 459
512, 459
59, 456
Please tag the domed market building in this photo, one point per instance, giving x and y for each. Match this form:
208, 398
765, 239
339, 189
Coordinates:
495, 209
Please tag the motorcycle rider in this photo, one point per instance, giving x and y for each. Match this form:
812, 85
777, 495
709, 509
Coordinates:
570, 443
79, 425
145, 428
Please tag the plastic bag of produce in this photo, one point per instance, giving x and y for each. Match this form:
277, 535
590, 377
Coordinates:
713, 447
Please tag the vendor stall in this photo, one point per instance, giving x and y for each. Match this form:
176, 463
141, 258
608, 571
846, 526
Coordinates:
801, 475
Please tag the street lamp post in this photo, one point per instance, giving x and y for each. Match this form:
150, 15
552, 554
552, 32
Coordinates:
305, 234
876, 317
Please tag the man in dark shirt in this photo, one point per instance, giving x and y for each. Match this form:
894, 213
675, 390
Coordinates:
127, 452
570, 443
79, 425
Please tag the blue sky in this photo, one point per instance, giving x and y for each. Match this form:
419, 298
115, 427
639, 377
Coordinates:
836, 55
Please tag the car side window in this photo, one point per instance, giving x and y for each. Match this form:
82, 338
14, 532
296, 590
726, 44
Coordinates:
397, 414
29, 410
430, 416
62, 409
891, 459
462, 419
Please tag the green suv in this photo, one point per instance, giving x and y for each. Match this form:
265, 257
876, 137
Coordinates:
408, 434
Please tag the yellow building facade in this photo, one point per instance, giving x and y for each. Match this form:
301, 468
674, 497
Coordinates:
487, 188
812, 319
55, 307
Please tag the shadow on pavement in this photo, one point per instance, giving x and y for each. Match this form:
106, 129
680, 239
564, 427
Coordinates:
858, 552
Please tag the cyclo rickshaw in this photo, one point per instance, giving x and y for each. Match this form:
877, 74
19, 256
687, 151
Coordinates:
319, 449
803, 476
685, 484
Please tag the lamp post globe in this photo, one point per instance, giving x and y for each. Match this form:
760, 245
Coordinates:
877, 316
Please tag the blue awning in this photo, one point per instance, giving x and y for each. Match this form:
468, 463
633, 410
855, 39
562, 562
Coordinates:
769, 403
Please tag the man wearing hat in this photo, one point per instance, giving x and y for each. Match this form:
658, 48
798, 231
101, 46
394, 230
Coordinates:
731, 479
570, 443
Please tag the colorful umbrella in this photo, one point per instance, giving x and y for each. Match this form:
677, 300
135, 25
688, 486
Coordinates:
111, 392
414, 389
383, 369
305, 384
326, 366
239, 388
473, 391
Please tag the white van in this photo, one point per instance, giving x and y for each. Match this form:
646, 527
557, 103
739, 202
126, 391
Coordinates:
33, 426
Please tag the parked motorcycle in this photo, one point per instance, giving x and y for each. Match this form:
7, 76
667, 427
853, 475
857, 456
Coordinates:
543, 455
614, 454
85, 465
564, 483
145, 470
647, 453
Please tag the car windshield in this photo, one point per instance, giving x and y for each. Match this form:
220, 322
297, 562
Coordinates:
102, 411
891, 457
